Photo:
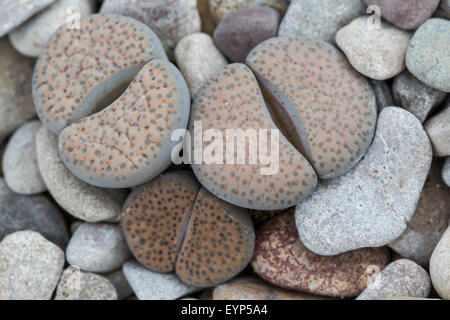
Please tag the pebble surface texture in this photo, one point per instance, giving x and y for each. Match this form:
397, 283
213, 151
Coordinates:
253, 288
446, 172
283, 260
36, 213
32, 36
16, 12
430, 219
97, 247
30, 267
170, 224
20, 163
241, 31
78, 285
439, 266
171, 20
76, 72
378, 53
129, 142
241, 106
319, 19
82, 200
427, 57
16, 103
371, 205
438, 129
405, 14
401, 278
222, 8
330, 108
149, 285
415, 96
198, 59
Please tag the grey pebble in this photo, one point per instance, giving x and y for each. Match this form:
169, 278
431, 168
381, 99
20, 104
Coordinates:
438, 129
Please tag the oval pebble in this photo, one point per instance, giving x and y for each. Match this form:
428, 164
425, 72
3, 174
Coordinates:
439, 266
97, 247
401, 278
82, 200
378, 53
78, 285
20, 163
35, 213
438, 129
371, 205
31, 37
30, 266
222, 8
283, 260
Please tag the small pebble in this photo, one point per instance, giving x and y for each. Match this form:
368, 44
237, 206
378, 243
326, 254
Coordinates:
371, 205
427, 57
438, 129
439, 266
415, 96
149, 285
78, 285
446, 172
36, 213
401, 278
198, 59
30, 266
20, 163
31, 37
97, 247
121, 284
241, 31
377, 53
406, 14
430, 219
319, 19
82, 200
222, 8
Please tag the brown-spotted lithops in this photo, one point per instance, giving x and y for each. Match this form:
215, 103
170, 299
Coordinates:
172, 224
83, 70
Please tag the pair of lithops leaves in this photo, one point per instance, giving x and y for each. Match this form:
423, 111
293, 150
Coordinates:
173, 224
324, 110
84, 69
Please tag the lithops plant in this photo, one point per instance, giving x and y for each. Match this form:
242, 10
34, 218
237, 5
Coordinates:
324, 109
81, 71
172, 224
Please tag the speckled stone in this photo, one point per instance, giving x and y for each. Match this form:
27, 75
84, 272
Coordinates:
238, 33
383, 94
16, 103
149, 285
402, 278
14, 13
319, 19
415, 96
37, 213
377, 53
443, 10
30, 266
430, 219
406, 14
208, 22
97, 247
82, 200
439, 266
427, 57
171, 20
198, 59
283, 260
32, 36
117, 278
253, 288
438, 129
222, 8
20, 163
446, 172
371, 205
78, 285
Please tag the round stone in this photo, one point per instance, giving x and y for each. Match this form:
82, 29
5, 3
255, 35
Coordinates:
439, 270
30, 266
438, 129
222, 8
